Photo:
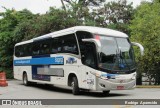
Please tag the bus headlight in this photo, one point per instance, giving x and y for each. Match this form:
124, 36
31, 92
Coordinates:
96, 74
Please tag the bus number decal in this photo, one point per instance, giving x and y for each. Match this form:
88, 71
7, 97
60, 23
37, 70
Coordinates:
58, 60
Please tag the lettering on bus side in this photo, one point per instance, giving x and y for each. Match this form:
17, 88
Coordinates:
71, 60
40, 61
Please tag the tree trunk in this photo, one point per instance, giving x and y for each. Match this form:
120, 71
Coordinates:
139, 79
64, 7
149, 81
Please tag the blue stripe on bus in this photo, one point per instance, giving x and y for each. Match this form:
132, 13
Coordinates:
40, 61
109, 75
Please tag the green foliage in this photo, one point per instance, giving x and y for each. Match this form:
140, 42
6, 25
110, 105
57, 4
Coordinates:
8, 24
9, 21
85, 3
54, 20
145, 30
119, 15
8, 71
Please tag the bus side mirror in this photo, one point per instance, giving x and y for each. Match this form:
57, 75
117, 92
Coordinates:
140, 46
96, 42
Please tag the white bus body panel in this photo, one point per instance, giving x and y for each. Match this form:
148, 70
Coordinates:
18, 70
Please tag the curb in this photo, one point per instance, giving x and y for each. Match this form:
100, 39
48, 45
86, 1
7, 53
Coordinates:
148, 86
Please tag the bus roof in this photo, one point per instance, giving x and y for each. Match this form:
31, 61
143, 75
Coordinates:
91, 29
100, 30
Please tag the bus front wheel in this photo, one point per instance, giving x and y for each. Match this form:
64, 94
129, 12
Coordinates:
25, 79
74, 84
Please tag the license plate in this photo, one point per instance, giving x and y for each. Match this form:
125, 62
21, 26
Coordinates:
113, 77
120, 87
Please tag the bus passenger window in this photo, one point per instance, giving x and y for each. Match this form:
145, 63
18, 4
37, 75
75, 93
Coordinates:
36, 49
36, 52
45, 48
70, 44
65, 44
55, 45
54, 50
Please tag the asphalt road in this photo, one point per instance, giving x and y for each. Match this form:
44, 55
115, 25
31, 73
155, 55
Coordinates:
16, 90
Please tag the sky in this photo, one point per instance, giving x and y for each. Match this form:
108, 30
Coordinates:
40, 6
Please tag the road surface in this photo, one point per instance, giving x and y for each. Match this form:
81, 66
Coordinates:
16, 90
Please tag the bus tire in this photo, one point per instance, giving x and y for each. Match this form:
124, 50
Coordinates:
74, 84
25, 80
106, 92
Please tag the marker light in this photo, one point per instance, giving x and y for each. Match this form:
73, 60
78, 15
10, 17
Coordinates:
97, 37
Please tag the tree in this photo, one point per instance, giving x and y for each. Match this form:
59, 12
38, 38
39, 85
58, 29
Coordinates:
8, 22
116, 15
80, 10
53, 20
85, 3
10, 19
145, 30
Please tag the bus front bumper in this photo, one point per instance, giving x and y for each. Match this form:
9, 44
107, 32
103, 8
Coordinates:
104, 85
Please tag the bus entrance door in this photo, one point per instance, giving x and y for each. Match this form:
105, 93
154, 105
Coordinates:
89, 61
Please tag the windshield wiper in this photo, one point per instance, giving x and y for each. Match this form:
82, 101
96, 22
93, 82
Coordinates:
123, 58
117, 58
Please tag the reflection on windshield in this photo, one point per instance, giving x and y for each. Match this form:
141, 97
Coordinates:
117, 54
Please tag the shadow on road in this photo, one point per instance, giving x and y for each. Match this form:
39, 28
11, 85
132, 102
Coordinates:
99, 94
69, 91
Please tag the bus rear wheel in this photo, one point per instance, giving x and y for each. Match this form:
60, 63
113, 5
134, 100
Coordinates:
74, 85
25, 79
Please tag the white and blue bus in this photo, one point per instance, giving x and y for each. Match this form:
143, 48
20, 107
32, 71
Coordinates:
81, 57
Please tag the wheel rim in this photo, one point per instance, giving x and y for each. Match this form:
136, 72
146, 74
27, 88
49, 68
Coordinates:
72, 84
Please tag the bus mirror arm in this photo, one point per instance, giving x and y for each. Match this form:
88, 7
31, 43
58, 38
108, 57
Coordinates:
140, 46
96, 42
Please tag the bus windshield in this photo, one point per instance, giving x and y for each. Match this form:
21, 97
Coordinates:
116, 54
